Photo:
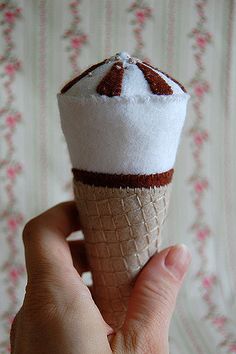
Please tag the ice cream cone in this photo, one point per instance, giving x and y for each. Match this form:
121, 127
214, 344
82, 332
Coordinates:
122, 120
122, 229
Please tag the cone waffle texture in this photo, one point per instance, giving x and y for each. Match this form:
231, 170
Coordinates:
122, 230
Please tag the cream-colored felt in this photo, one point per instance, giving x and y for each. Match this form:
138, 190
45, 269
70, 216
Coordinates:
122, 230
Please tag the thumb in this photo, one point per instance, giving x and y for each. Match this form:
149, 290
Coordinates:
154, 295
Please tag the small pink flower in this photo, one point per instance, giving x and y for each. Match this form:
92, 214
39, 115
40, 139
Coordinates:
198, 138
11, 172
219, 321
10, 16
199, 90
11, 121
10, 69
232, 348
207, 282
14, 274
201, 41
140, 16
202, 234
198, 187
12, 224
76, 42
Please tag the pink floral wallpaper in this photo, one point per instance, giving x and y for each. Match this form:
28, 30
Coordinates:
43, 44
11, 168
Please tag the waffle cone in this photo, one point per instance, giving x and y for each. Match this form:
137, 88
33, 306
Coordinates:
122, 230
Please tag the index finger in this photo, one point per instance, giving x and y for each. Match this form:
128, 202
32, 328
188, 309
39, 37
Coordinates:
45, 236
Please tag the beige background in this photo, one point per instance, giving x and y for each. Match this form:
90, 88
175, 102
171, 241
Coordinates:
34, 164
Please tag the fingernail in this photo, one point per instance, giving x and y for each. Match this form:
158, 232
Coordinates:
177, 261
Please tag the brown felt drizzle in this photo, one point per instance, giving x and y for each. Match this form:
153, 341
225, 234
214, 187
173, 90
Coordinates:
120, 180
157, 84
83, 74
111, 84
177, 82
167, 75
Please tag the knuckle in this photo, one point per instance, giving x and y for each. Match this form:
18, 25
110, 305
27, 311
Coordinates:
28, 229
32, 228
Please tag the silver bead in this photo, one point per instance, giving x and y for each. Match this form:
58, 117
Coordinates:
131, 61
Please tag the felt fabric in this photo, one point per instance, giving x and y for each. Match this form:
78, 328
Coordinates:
79, 77
111, 84
123, 135
133, 83
123, 117
158, 85
123, 181
122, 229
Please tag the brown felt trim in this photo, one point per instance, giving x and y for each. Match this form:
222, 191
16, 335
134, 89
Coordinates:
167, 75
111, 84
177, 82
120, 180
157, 84
83, 74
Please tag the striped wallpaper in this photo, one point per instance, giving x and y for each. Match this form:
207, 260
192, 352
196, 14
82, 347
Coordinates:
42, 44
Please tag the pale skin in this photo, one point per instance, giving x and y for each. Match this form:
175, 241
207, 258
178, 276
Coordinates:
59, 315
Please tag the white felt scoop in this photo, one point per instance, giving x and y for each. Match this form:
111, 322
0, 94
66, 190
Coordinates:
137, 132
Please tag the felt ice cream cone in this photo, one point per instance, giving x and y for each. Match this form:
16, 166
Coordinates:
122, 120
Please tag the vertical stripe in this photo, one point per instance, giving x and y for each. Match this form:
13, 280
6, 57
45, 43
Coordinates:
11, 216
170, 35
42, 102
229, 187
193, 337
108, 28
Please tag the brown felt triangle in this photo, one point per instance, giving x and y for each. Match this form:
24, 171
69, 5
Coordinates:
171, 78
111, 84
157, 84
167, 75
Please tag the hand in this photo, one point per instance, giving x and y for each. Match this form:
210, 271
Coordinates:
59, 315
